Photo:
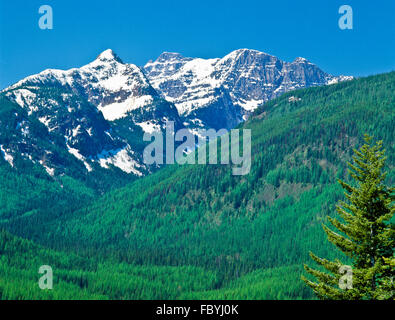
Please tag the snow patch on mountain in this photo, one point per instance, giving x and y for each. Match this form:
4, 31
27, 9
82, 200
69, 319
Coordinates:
80, 157
50, 171
149, 126
119, 158
118, 110
339, 79
7, 156
24, 98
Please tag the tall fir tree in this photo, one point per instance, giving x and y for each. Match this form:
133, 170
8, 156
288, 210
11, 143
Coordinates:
365, 234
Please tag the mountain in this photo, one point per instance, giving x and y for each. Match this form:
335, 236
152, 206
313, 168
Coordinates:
96, 113
221, 93
252, 233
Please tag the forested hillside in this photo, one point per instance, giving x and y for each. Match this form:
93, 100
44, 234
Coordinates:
232, 236
91, 278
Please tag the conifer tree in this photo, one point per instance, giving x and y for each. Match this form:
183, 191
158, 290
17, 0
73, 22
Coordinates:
365, 234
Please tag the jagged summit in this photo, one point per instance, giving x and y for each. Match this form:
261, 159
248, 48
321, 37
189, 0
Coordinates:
164, 56
170, 58
244, 53
301, 60
109, 55
175, 56
247, 51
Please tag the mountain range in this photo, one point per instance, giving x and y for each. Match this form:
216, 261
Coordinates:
97, 114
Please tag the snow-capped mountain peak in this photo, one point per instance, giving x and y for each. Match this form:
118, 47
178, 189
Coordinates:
170, 56
300, 60
82, 105
109, 55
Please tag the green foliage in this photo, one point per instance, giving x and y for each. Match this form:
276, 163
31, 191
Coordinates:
263, 284
90, 278
366, 235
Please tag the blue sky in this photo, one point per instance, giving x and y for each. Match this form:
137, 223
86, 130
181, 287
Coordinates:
140, 30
